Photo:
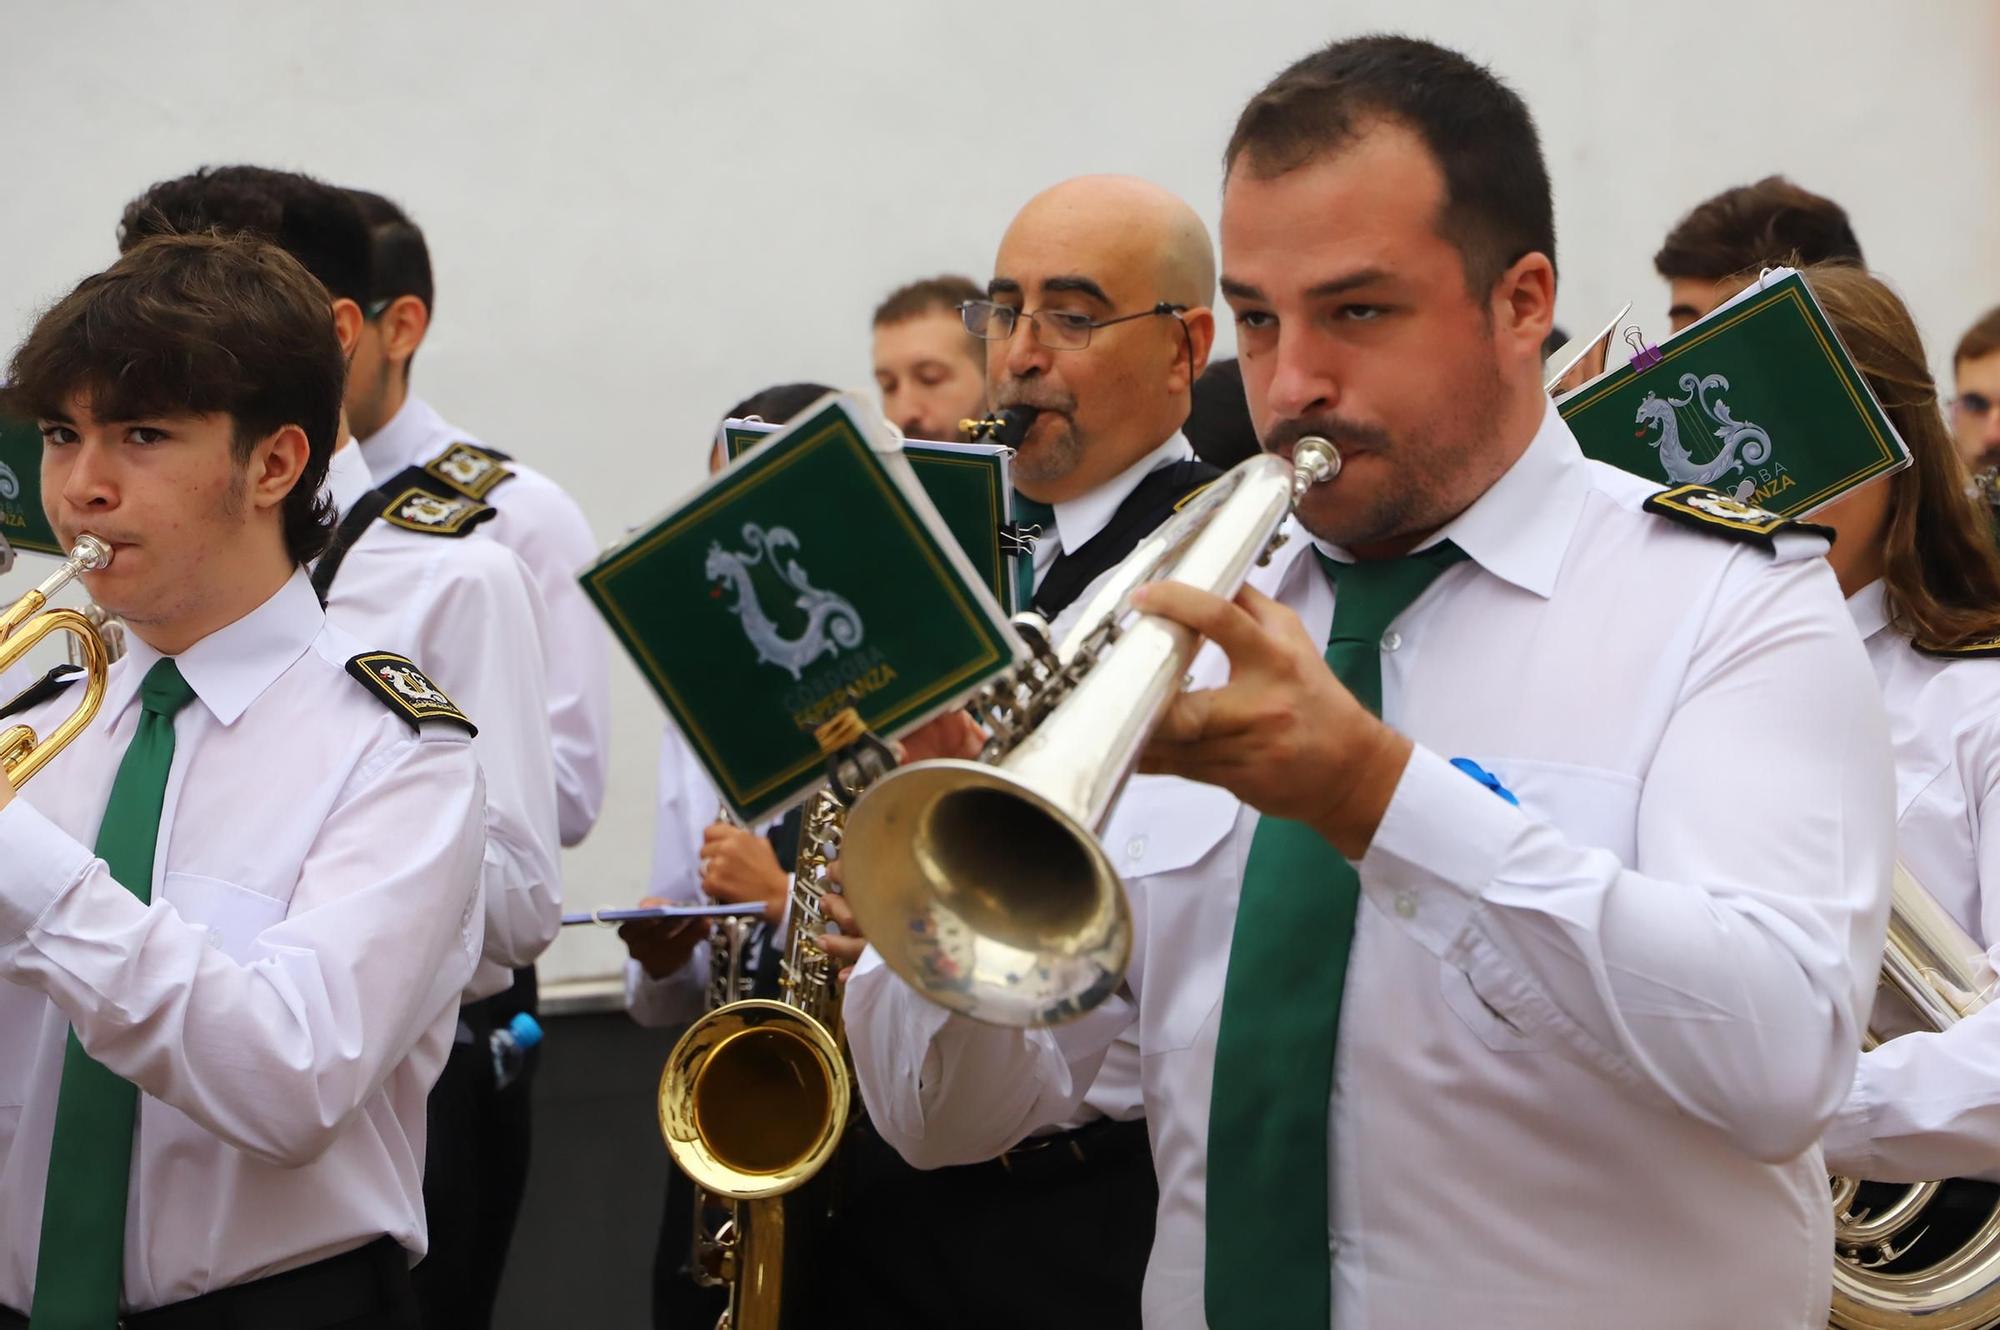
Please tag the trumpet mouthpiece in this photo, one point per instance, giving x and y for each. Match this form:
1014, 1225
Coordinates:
90, 554
1314, 462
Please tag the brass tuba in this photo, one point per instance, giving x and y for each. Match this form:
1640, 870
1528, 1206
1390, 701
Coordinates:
754, 1098
982, 884
1923, 1256
26, 622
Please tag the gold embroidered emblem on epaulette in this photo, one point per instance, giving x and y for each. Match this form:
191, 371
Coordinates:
420, 510
469, 470
1969, 651
1712, 510
407, 689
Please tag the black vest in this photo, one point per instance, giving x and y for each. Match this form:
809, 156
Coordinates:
1152, 502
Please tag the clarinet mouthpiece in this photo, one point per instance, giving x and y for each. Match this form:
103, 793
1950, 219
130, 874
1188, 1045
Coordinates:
1006, 427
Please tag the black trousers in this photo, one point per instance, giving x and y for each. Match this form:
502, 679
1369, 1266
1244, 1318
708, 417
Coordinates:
475, 1169
1052, 1242
364, 1289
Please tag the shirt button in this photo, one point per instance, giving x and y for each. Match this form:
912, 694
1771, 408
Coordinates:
1391, 640
1135, 848
1406, 905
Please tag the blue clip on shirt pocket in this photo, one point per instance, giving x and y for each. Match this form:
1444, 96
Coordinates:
1486, 778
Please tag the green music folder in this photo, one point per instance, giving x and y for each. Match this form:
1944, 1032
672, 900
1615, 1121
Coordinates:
809, 577
1758, 400
968, 483
21, 519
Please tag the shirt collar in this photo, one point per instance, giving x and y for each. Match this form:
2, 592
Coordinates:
1520, 528
1870, 610
402, 442
231, 667
1079, 520
347, 478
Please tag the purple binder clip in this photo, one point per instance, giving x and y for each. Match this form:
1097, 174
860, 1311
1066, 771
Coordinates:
1643, 356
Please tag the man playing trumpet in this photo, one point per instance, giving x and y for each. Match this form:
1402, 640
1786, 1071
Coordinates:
237, 911
1547, 832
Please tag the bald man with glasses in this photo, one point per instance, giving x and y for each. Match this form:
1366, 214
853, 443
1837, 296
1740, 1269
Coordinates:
1098, 314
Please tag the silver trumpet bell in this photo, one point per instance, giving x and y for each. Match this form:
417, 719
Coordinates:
983, 884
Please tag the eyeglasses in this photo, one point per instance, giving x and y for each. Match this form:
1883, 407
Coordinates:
1057, 329
373, 309
1061, 329
1974, 406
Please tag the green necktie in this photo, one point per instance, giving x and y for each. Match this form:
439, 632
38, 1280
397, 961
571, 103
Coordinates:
82, 1258
1267, 1125
1029, 513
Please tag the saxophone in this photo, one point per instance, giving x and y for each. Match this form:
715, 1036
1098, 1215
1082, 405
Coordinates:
754, 1098
1925, 1254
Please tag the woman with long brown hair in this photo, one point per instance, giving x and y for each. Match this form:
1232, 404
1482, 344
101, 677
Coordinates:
1917, 561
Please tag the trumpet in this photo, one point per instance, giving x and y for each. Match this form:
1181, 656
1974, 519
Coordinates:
982, 884
26, 622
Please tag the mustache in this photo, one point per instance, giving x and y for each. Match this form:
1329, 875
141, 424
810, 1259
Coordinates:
1059, 402
1282, 437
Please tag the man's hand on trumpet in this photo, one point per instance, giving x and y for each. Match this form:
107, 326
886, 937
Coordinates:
1283, 735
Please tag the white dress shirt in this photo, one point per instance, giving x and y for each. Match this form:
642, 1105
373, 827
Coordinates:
1079, 520
543, 525
1927, 1105
18, 678
468, 614
1587, 1044
686, 805
287, 999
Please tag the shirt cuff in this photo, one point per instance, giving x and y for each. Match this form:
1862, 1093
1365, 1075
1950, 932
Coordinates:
1439, 846
1849, 1142
41, 861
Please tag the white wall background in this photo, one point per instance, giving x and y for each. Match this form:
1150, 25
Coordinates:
640, 212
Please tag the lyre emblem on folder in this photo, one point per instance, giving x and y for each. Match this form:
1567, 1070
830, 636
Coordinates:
832, 622
1695, 460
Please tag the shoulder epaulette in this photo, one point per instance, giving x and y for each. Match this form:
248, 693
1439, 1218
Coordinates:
1715, 512
1988, 649
41, 690
415, 508
469, 469
407, 689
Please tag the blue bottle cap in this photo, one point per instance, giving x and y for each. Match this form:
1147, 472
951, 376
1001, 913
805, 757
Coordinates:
527, 1031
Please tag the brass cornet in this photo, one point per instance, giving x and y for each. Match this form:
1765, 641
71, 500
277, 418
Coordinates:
26, 622
982, 884
1924, 1254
